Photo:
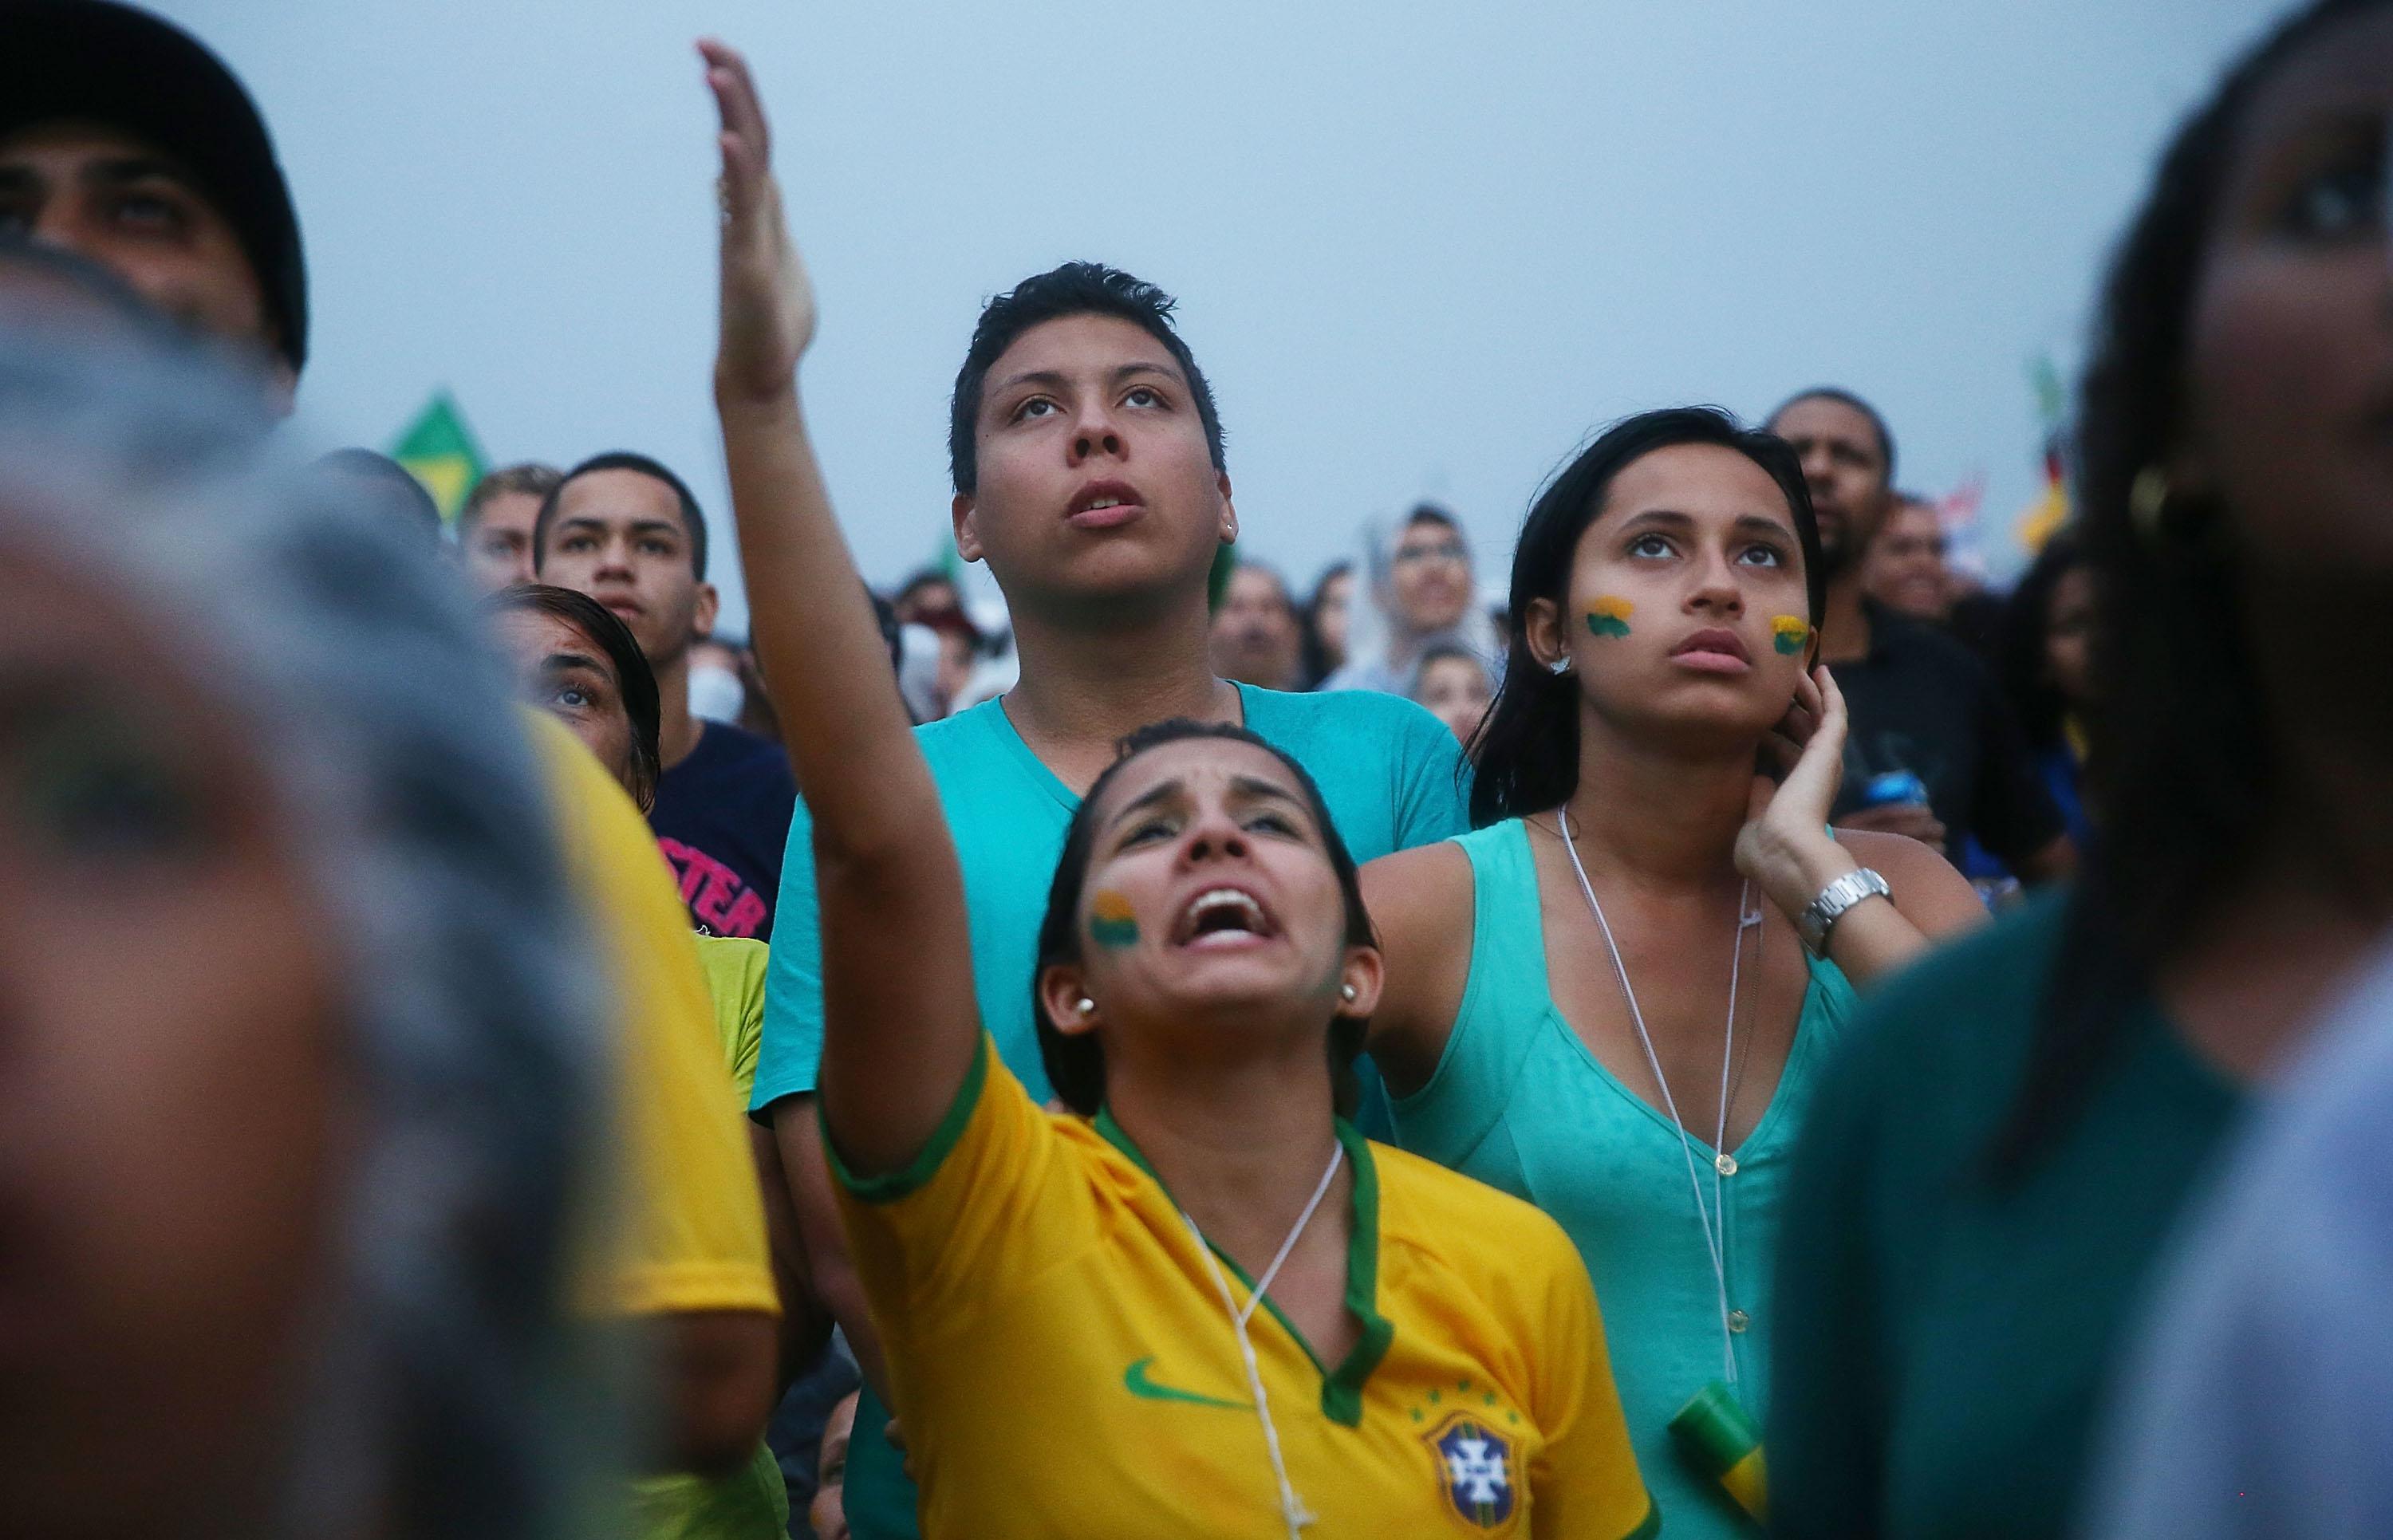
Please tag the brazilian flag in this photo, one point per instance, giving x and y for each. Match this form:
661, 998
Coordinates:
438, 449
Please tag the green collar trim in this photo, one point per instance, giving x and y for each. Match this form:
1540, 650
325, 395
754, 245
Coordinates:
910, 1177
1341, 1388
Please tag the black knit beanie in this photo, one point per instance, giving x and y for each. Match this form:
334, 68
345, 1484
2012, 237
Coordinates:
116, 65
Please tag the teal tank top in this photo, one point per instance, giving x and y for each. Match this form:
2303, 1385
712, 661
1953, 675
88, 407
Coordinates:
1520, 1103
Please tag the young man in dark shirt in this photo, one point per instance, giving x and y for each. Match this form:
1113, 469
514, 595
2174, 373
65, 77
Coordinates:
624, 530
1921, 704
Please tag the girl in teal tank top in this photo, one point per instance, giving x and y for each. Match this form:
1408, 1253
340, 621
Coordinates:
1521, 1104
1597, 1001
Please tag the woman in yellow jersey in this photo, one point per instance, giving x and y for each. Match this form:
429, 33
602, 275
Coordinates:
1198, 1303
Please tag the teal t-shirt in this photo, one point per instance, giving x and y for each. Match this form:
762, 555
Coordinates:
1946, 1337
1519, 1102
1391, 773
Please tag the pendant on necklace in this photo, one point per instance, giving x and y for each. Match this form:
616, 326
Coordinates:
1724, 1163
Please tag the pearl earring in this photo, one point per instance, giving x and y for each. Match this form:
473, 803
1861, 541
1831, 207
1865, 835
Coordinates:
1087, 1005
1346, 993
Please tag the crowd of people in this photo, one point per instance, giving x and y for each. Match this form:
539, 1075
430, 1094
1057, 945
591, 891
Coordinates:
488, 1055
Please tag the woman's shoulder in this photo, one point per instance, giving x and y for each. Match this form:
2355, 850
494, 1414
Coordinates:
1464, 1221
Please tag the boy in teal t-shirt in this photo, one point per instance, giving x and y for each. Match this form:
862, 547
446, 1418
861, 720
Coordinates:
1087, 459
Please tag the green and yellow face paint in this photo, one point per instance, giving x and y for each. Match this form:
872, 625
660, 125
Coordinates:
1112, 924
1790, 633
1609, 617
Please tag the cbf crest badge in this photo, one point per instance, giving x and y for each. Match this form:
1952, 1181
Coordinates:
1474, 1469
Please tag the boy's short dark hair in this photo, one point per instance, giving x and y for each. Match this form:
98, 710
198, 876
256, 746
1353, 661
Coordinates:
1074, 289
693, 522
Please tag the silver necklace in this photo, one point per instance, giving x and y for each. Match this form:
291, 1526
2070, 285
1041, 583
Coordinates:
1712, 1217
1292, 1510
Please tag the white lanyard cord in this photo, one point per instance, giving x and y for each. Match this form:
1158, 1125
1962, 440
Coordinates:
1291, 1508
1713, 1218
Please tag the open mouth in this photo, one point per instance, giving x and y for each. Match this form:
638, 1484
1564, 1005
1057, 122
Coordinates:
1102, 504
1222, 918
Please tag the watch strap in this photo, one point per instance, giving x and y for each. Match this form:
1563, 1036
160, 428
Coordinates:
1817, 918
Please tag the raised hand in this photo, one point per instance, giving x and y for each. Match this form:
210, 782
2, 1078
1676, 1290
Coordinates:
1784, 845
767, 301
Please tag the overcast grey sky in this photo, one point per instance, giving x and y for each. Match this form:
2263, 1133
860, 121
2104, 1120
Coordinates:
1421, 250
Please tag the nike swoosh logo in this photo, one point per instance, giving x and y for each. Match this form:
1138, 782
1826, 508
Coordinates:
1134, 1380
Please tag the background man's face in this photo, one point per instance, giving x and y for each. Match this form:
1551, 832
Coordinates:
1905, 569
1087, 409
618, 536
1255, 636
120, 201
1844, 463
498, 552
1430, 579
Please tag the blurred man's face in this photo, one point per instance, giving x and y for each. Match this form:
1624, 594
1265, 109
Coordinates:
1255, 638
1844, 465
618, 536
1431, 578
120, 201
498, 553
1906, 571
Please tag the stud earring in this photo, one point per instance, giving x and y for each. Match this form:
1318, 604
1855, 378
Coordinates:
1559, 666
1346, 993
1086, 1007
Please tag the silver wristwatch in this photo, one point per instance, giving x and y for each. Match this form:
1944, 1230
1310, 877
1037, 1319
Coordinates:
1814, 922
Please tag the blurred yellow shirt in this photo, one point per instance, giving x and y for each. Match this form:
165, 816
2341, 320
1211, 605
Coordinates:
1065, 1367
688, 1225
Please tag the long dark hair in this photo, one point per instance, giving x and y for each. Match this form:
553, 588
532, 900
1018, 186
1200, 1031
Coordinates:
2021, 646
2184, 774
1528, 747
1076, 1064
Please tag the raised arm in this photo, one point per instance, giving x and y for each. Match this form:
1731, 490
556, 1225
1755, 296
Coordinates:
899, 1022
1785, 848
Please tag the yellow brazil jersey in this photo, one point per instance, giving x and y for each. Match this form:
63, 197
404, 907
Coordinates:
1063, 1366
692, 1236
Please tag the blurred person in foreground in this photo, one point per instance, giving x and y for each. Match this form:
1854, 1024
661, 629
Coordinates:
376, 481
1905, 568
2253, 1408
1933, 752
625, 530
579, 662
1088, 474
1422, 591
494, 526
1257, 639
293, 1148
1993, 1167
1324, 622
1027, 1268
133, 147
1452, 684
2046, 651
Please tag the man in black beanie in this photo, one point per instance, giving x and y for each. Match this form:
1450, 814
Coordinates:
124, 139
